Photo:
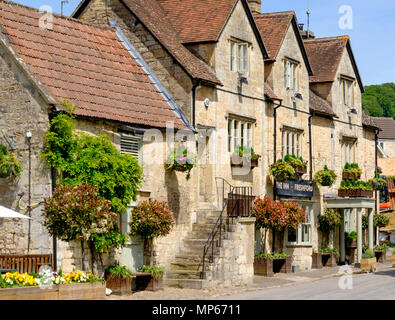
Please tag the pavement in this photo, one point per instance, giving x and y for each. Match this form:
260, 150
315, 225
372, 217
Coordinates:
261, 286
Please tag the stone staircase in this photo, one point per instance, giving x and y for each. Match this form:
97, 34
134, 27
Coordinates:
185, 270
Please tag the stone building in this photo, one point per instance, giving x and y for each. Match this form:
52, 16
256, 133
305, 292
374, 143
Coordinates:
386, 145
98, 70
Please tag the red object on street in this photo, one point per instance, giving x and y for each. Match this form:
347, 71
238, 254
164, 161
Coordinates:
385, 205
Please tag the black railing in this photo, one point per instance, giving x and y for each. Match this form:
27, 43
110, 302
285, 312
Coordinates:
236, 202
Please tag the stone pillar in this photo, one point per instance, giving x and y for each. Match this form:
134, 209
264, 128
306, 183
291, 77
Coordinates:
370, 228
359, 235
246, 227
342, 241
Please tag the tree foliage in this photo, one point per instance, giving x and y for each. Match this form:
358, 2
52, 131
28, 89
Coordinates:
379, 100
84, 158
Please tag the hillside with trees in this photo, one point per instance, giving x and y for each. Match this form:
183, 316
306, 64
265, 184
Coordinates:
379, 100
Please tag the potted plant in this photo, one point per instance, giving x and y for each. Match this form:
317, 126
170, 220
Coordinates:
351, 239
329, 256
380, 252
351, 171
244, 155
150, 278
182, 160
267, 264
380, 220
355, 188
150, 220
119, 279
368, 261
282, 171
325, 177
378, 183
297, 163
9, 166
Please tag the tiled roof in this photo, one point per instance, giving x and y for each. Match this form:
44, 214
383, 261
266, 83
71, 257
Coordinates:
273, 28
387, 125
152, 15
325, 55
368, 121
270, 93
85, 64
198, 20
320, 105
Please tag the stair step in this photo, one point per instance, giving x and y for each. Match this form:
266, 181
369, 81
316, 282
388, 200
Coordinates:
189, 265
183, 274
186, 283
196, 258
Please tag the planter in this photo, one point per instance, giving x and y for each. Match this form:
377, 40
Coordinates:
119, 285
316, 260
356, 193
238, 162
350, 176
300, 169
328, 259
393, 260
352, 244
269, 266
369, 264
75, 291
380, 256
145, 281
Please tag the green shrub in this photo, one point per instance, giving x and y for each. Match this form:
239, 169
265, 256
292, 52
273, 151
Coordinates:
275, 255
383, 248
282, 171
325, 177
181, 159
351, 236
380, 220
156, 272
119, 271
330, 250
9, 165
368, 254
329, 220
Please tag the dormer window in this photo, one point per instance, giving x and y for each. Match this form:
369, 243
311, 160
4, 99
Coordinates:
239, 57
291, 75
347, 91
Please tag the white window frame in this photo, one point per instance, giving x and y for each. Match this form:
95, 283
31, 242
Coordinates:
347, 92
308, 207
291, 79
239, 57
240, 132
292, 142
347, 151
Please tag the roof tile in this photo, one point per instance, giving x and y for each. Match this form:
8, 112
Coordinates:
387, 125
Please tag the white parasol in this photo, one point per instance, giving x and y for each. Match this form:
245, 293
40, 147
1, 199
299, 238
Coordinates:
8, 213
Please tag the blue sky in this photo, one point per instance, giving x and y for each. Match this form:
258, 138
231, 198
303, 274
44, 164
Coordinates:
372, 34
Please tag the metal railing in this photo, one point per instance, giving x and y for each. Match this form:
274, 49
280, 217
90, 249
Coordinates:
236, 202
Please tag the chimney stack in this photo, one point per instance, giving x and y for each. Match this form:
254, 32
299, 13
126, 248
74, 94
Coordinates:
255, 6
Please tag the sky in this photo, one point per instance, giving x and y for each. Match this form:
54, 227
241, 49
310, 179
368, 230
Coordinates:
370, 25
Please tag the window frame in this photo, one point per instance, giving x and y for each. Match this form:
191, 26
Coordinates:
239, 56
291, 141
291, 75
347, 151
309, 208
129, 136
237, 135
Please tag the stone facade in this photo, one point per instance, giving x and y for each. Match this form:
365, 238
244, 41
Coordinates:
23, 110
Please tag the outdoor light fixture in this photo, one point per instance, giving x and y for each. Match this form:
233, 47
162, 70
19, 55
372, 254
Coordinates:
207, 102
28, 134
299, 96
354, 111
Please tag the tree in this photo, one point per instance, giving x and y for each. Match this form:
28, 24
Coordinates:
150, 220
379, 100
78, 213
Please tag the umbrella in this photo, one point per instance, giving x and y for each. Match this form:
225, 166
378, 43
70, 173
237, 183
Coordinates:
8, 213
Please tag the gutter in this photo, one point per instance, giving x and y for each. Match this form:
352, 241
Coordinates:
139, 59
194, 87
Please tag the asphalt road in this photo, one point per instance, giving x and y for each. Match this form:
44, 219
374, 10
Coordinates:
372, 286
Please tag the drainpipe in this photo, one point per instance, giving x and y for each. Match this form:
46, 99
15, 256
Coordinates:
194, 87
52, 115
311, 147
376, 170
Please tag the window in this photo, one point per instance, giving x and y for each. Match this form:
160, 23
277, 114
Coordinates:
347, 92
132, 144
292, 142
347, 151
291, 75
239, 133
349, 223
301, 235
239, 53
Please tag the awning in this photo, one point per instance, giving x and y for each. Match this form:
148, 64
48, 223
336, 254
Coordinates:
8, 213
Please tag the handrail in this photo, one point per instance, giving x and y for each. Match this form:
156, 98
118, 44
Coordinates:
244, 205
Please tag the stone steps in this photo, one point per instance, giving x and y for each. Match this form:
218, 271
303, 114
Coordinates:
184, 274
187, 283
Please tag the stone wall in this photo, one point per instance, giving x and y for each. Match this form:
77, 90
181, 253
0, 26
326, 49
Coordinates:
235, 265
21, 110
389, 147
387, 165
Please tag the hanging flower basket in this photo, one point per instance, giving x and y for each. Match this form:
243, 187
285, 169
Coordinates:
9, 166
181, 160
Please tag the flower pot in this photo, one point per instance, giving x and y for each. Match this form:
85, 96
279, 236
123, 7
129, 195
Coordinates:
316, 260
145, 281
300, 169
352, 244
328, 259
269, 266
368, 264
380, 256
254, 163
119, 285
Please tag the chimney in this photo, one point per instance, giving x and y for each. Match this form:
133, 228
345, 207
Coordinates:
306, 34
255, 6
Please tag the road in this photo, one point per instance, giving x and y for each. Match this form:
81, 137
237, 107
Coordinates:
372, 286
